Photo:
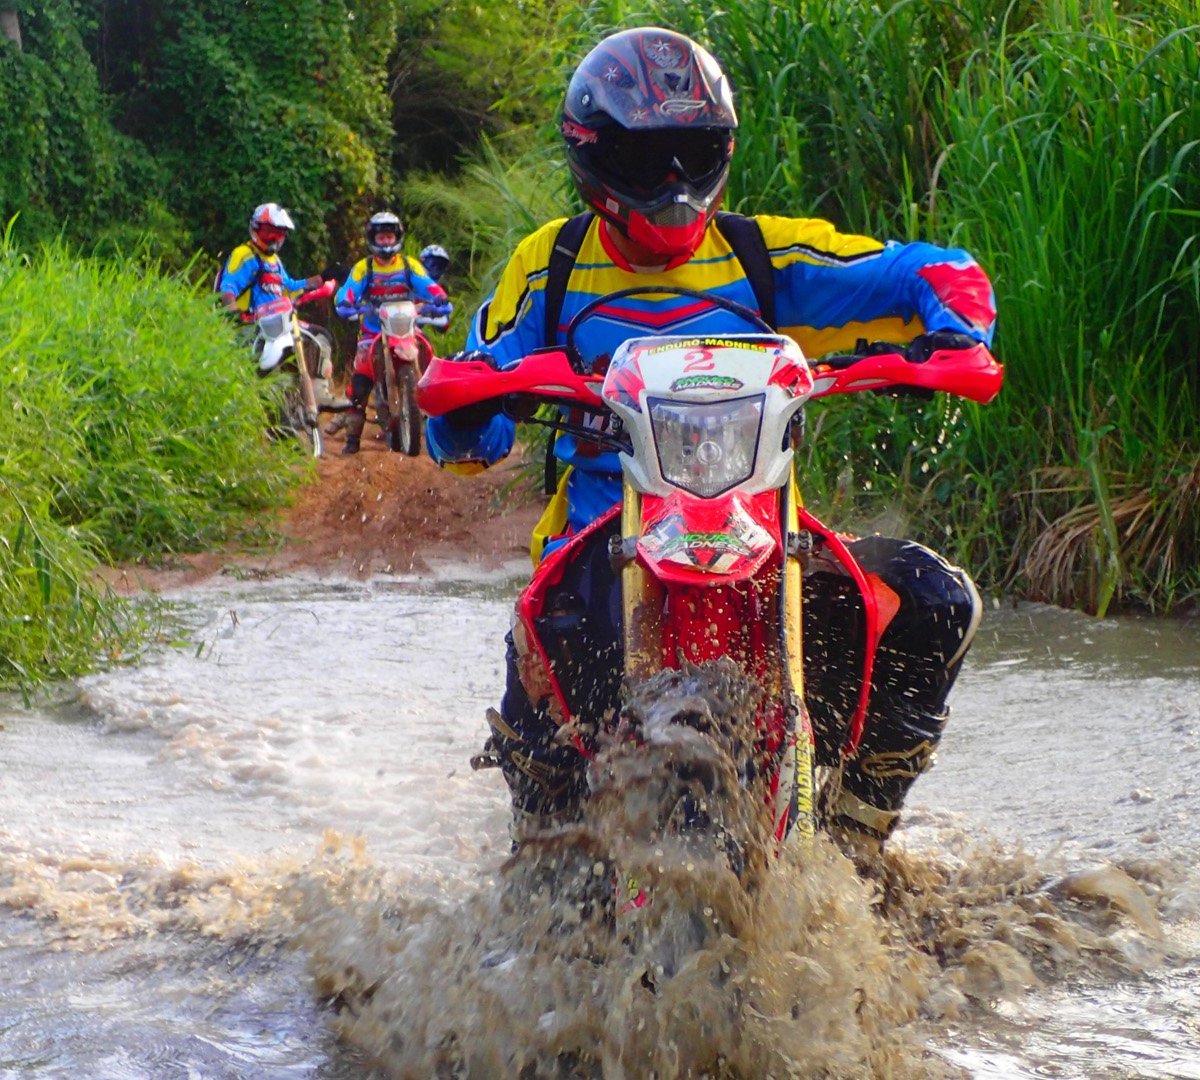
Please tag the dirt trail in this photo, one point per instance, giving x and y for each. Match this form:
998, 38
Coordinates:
370, 513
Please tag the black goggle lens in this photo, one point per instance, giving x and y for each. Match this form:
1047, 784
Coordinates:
646, 158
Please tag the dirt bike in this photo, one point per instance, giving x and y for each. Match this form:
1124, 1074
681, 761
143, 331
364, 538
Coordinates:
710, 542
279, 337
396, 382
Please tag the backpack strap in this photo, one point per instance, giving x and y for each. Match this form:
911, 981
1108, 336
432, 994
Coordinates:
750, 249
562, 262
558, 272
367, 281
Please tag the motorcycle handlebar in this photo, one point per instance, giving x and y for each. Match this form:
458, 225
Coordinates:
545, 374
548, 375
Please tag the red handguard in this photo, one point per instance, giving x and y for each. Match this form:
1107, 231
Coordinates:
970, 373
327, 288
546, 374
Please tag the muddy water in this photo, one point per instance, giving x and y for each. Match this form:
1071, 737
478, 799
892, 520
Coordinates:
263, 854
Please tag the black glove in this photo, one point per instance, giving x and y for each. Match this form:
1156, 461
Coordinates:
481, 413
922, 347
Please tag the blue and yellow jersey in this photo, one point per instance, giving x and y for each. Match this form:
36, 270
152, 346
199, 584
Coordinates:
252, 277
375, 281
831, 289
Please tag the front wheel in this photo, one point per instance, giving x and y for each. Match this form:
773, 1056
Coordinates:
408, 422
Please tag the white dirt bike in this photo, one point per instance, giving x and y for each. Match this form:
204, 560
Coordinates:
279, 338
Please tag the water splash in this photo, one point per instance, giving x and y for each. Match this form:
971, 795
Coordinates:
740, 965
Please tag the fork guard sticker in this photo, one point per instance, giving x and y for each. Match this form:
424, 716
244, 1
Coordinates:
707, 382
717, 552
703, 541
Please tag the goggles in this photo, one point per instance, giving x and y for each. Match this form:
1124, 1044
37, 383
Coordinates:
645, 159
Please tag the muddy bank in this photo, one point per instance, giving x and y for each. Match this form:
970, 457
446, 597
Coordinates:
373, 513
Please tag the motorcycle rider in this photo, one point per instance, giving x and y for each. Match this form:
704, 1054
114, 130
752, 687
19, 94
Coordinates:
385, 274
435, 260
649, 123
254, 274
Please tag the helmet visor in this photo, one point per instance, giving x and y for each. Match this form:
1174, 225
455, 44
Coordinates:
645, 159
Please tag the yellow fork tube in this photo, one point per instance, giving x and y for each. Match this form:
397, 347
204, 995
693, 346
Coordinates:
805, 823
640, 608
307, 394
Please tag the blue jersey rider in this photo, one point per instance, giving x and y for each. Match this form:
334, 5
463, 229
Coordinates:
386, 274
254, 275
435, 260
649, 125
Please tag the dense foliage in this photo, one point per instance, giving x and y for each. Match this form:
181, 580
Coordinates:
133, 432
128, 117
62, 162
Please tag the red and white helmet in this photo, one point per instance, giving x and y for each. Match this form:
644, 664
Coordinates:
648, 121
269, 225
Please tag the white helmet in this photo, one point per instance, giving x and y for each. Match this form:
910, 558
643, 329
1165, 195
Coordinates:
435, 260
385, 222
269, 225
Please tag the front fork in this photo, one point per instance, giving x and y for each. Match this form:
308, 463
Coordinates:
642, 598
803, 804
641, 595
307, 394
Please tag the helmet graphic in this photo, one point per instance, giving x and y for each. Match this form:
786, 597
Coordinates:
269, 225
648, 121
435, 260
385, 222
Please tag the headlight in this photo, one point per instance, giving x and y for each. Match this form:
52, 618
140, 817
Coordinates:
273, 326
707, 448
398, 319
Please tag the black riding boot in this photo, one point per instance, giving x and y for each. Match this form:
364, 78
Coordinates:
917, 661
580, 628
355, 421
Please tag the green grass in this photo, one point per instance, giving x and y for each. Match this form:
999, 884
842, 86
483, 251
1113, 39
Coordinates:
134, 429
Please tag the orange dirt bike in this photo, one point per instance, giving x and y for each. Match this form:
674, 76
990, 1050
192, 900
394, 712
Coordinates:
709, 544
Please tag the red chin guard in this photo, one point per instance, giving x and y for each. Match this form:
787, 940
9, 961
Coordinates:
670, 241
